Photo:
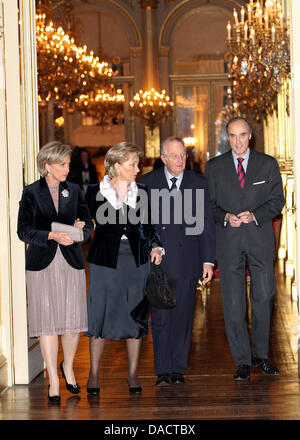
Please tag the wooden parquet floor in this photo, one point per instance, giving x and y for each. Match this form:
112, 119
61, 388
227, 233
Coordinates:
208, 394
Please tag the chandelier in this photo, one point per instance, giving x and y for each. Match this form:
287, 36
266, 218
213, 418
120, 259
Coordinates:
102, 105
61, 12
259, 58
65, 70
153, 107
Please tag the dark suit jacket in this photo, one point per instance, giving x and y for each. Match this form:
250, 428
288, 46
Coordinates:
37, 212
142, 236
185, 254
75, 174
262, 194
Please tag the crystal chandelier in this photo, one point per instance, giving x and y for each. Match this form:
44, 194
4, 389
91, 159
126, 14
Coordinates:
153, 107
102, 105
61, 13
65, 70
259, 58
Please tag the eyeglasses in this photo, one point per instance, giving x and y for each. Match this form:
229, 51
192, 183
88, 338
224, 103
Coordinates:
174, 157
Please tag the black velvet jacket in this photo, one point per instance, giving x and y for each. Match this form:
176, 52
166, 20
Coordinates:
37, 212
142, 235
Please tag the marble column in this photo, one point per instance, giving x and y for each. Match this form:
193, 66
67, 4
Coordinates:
151, 68
150, 39
167, 128
136, 61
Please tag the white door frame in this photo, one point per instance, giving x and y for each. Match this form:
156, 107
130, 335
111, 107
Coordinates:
19, 144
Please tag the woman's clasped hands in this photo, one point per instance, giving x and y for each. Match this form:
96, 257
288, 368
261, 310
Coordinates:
64, 238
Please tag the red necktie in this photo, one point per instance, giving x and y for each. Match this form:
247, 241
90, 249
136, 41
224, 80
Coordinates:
241, 172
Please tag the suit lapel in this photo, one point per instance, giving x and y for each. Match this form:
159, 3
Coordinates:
251, 170
184, 181
46, 197
162, 180
64, 197
230, 170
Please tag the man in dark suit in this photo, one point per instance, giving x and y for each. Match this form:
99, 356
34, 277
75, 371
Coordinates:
82, 170
189, 253
246, 192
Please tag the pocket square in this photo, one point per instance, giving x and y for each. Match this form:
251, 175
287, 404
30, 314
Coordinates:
259, 183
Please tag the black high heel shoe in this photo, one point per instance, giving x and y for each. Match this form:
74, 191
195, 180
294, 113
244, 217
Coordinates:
53, 399
75, 389
134, 390
95, 390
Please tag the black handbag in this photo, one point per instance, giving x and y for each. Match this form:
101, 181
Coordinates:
159, 292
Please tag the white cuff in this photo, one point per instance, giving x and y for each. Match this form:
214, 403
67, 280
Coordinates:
162, 251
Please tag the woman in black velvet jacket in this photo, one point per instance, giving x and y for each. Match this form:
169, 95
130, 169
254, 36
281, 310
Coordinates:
123, 245
55, 267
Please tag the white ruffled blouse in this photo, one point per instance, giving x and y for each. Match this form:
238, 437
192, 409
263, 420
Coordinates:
108, 191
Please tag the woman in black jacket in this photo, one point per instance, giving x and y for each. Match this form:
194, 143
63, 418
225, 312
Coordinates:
123, 245
55, 274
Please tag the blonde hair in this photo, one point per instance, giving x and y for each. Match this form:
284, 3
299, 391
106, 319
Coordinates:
118, 154
53, 152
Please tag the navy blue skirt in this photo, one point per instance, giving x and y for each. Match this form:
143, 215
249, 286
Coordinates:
114, 294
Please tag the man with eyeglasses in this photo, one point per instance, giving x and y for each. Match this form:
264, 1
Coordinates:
189, 254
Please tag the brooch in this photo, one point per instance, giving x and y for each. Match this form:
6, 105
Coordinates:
65, 193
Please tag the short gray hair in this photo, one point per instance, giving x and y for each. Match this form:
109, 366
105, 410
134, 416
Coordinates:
168, 140
118, 154
53, 152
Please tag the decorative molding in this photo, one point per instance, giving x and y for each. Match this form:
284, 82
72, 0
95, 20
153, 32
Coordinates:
1, 21
235, 3
153, 4
3, 373
164, 51
130, 3
191, 78
136, 52
29, 106
181, 10
113, 7
17, 351
3, 360
123, 79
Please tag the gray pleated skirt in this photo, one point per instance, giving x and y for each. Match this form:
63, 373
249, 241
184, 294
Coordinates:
113, 294
56, 299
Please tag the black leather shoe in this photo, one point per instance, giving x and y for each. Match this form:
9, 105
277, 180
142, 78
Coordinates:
75, 389
53, 399
242, 372
94, 390
163, 380
177, 378
265, 366
134, 390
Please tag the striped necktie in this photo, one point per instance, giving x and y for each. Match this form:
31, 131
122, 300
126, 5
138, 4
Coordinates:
173, 180
241, 172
